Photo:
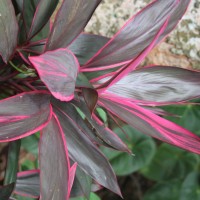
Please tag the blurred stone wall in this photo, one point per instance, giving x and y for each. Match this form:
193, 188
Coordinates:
181, 48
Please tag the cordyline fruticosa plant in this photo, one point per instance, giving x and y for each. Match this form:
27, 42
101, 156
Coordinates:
53, 77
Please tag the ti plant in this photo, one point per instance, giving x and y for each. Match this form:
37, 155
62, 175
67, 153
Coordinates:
53, 77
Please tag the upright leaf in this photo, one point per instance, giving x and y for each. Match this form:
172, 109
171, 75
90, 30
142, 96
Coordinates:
24, 114
138, 32
86, 154
70, 21
58, 70
54, 163
42, 14
8, 29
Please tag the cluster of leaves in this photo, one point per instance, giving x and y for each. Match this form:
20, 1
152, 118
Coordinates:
54, 78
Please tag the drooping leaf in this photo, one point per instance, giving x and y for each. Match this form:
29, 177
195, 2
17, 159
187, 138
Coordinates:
58, 70
138, 33
24, 114
86, 154
70, 21
158, 84
190, 187
8, 29
95, 130
42, 14
86, 45
54, 163
171, 163
149, 123
6, 191
143, 149
12, 162
28, 184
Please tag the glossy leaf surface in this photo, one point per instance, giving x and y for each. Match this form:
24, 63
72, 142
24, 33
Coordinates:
153, 125
8, 29
158, 84
85, 153
70, 21
58, 70
54, 163
138, 33
28, 184
24, 114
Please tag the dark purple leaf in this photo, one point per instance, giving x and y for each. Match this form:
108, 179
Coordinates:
96, 131
55, 173
8, 29
28, 184
58, 70
6, 191
91, 97
86, 45
158, 84
70, 21
151, 124
86, 154
42, 14
24, 114
138, 33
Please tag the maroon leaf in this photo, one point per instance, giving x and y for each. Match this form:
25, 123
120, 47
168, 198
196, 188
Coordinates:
55, 172
158, 84
91, 97
70, 21
86, 154
58, 70
42, 14
138, 32
24, 114
8, 29
28, 184
151, 124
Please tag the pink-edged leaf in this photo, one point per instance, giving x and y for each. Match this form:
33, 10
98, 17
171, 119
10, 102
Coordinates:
28, 184
86, 45
138, 32
134, 63
24, 114
58, 70
151, 124
86, 154
91, 97
72, 173
8, 29
95, 130
43, 12
70, 21
158, 84
54, 163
